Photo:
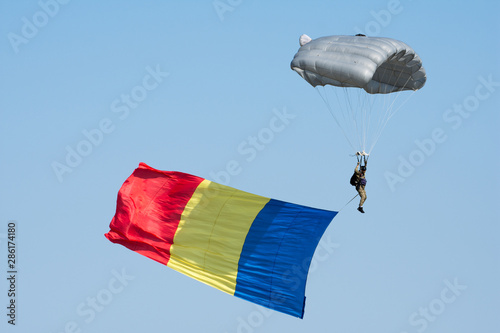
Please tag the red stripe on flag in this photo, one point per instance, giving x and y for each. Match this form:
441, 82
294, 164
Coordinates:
148, 210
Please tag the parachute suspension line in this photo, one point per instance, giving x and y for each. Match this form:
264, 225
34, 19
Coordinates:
348, 124
324, 96
381, 111
378, 110
372, 114
355, 112
351, 114
361, 119
401, 105
390, 116
389, 109
367, 107
390, 112
382, 121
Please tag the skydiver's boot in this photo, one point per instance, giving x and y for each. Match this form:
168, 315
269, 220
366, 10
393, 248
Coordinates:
361, 210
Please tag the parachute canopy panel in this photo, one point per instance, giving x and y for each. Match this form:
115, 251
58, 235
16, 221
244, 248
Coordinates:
376, 64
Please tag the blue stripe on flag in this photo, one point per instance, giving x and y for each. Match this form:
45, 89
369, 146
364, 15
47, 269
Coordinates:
275, 259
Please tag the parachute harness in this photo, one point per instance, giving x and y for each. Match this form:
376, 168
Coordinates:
362, 157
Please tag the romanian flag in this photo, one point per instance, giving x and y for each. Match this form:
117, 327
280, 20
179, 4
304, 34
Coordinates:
246, 245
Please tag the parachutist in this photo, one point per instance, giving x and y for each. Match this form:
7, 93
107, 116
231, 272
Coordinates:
358, 179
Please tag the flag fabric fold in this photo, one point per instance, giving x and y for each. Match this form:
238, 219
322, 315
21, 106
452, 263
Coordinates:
249, 246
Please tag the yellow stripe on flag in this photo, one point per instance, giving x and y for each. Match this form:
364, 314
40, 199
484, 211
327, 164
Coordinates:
211, 234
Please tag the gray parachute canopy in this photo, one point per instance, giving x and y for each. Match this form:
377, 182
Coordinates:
376, 64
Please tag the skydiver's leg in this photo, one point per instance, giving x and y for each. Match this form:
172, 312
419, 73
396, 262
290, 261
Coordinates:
362, 195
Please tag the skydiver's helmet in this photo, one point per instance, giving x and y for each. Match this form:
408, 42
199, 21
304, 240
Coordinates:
363, 168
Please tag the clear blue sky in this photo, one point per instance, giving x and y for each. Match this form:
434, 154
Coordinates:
201, 79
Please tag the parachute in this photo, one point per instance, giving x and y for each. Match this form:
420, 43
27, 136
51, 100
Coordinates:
249, 246
360, 78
